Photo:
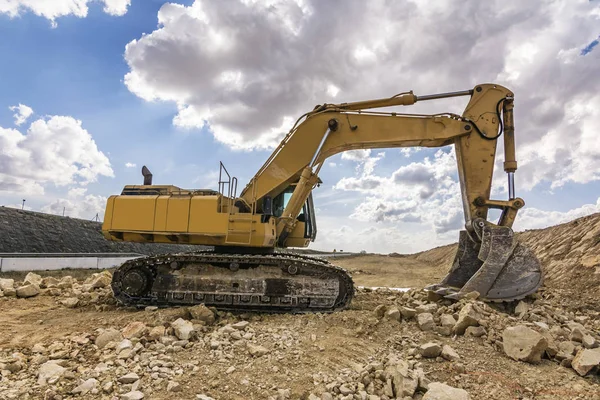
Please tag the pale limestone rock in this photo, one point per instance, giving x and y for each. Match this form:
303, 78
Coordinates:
524, 344
440, 391
134, 329
28, 290
183, 329
586, 360
109, 335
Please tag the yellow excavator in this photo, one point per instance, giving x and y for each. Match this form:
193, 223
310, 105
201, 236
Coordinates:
243, 271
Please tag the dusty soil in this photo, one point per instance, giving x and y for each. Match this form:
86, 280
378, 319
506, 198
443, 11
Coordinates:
307, 354
399, 271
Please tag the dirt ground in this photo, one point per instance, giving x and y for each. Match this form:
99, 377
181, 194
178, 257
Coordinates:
304, 350
398, 272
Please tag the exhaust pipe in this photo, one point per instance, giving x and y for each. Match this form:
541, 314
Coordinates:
147, 176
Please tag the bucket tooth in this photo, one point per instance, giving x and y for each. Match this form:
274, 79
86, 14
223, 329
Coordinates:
499, 268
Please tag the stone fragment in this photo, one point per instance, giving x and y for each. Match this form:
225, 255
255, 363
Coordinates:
156, 333
408, 312
585, 361
430, 350
173, 386
70, 302
425, 321
257, 350
133, 395
380, 311
427, 308
447, 320
403, 381
474, 295
202, 313
588, 341
125, 344
9, 292
134, 329
577, 334
66, 282
183, 329
85, 387
521, 308
50, 372
240, 325
6, 284
449, 353
49, 282
475, 331
393, 314
109, 335
524, 344
101, 280
567, 348
440, 391
28, 290
129, 378
345, 390
33, 279
107, 387
468, 316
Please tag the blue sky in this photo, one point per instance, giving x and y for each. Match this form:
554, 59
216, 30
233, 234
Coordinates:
142, 106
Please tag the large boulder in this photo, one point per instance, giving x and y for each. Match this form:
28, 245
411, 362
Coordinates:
586, 360
524, 344
468, 316
6, 284
404, 381
134, 329
28, 290
183, 329
50, 372
33, 278
440, 391
425, 321
109, 335
202, 313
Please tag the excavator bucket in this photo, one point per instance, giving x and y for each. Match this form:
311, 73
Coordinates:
494, 264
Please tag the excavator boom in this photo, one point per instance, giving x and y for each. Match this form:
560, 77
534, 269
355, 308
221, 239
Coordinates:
275, 210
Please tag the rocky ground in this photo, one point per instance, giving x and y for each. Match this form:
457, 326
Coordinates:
62, 336
65, 338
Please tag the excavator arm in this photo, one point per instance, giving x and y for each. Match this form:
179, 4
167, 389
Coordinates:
487, 252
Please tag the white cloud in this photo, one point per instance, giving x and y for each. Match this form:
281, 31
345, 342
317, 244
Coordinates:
130, 165
532, 218
78, 204
292, 59
116, 7
54, 151
53, 9
356, 155
22, 113
420, 192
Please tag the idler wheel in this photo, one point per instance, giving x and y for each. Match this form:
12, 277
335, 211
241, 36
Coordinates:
135, 283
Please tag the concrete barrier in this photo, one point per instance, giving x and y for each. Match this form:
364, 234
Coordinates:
41, 262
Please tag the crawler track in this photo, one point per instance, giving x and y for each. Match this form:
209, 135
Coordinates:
268, 283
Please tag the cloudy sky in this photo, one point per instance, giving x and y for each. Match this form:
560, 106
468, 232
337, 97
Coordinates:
91, 90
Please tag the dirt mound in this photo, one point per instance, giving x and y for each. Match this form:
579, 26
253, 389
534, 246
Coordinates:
569, 253
33, 232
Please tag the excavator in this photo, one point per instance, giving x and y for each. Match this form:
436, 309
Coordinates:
246, 267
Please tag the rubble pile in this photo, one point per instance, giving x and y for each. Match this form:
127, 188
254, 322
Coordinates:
67, 290
416, 346
528, 331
